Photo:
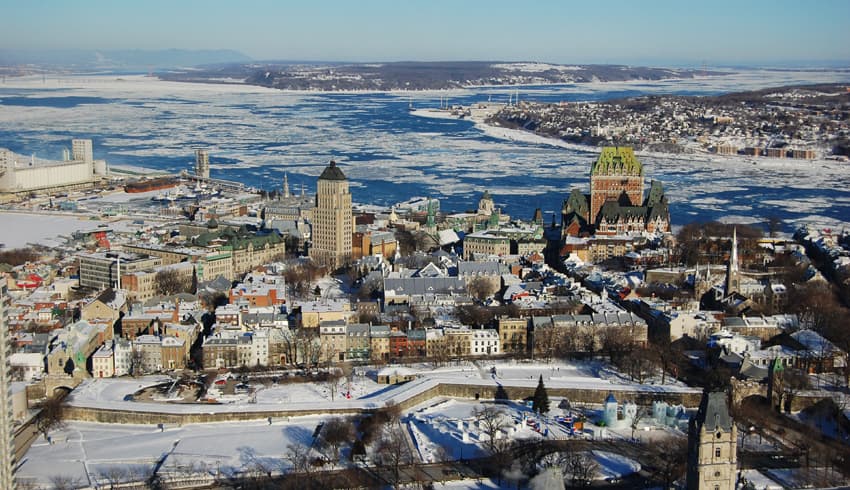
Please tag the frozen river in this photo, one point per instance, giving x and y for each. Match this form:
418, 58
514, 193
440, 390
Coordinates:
254, 135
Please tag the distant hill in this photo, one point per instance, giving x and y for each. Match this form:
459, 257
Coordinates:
130, 60
412, 75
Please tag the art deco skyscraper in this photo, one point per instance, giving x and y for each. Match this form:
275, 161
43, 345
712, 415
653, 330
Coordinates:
332, 219
7, 453
202, 163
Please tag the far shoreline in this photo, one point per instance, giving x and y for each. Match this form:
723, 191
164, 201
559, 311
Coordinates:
524, 136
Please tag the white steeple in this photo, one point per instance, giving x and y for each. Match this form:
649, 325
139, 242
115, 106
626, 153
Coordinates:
285, 186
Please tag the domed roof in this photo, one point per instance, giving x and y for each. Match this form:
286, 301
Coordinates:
332, 172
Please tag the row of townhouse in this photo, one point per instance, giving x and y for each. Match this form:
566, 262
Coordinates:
233, 316
83, 349
345, 342
143, 355
262, 346
165, 346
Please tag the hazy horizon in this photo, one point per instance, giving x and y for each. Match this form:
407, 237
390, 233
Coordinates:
665, 33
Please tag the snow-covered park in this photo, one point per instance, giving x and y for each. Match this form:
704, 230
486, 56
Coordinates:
361, 391
439, 429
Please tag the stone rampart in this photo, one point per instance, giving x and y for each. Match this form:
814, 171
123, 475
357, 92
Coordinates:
470, 391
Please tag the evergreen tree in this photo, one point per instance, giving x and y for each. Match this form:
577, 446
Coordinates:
540, 402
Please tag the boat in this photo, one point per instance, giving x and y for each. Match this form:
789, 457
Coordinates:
150, 185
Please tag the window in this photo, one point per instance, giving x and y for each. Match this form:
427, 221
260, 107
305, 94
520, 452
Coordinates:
717, 452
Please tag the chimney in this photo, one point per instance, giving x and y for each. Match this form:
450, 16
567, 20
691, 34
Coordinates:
175, 317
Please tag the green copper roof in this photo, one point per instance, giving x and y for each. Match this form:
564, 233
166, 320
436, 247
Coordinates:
332, 172
617, 160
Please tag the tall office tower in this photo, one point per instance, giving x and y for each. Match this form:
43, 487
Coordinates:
202, 163
81, 150
7, 452
332, 219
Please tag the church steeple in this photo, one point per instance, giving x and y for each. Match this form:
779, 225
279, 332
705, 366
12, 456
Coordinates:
286, 194
732, 271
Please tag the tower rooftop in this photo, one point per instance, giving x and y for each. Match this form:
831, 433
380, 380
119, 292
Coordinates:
332, 172
713, 412
617, 160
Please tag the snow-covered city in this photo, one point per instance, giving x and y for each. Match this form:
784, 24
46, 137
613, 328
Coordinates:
424, 246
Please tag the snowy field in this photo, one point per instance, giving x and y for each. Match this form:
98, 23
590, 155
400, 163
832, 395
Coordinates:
91, 454
49, 230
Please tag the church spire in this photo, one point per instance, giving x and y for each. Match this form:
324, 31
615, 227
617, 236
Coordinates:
286, 186
732, 271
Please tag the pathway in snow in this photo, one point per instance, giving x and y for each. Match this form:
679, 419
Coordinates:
481, 370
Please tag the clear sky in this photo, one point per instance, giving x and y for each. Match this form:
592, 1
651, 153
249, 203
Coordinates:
589, 31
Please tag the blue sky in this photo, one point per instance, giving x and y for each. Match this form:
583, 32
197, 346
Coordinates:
651, 32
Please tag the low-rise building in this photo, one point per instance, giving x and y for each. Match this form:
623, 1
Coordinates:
315, 312
513, 335
485, 342
334, 340
485, 243
379, 341
103, 362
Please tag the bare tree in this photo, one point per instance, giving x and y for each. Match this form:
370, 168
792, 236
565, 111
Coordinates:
335, 433
545, 342
491, 420
62, 482
669, 458
301, 465
114, 475
479, 287
332, 383
169, 281
51, 416
580, 468
392, 452
640, 414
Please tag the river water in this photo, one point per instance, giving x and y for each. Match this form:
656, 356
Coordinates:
390, 155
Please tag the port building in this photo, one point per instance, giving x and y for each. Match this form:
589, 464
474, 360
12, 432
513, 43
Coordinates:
20, 174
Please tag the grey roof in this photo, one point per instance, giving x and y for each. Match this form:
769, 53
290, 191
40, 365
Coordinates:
751, 371
332, 172
252, 318
425, 285
220, 283
357, 329
713, 412
477, 268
